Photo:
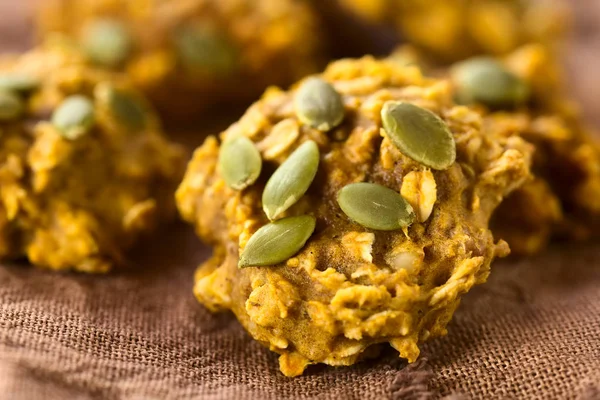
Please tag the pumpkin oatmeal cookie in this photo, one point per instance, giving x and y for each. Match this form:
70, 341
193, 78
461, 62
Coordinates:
349, 212
186, 55
449, 30
84, 167
524, 94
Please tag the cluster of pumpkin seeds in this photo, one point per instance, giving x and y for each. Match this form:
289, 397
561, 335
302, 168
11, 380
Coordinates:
14, 89
241, 164
75, 115
416, 132
108, 42
419, 134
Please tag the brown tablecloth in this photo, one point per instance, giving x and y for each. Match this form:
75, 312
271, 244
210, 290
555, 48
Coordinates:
533, 332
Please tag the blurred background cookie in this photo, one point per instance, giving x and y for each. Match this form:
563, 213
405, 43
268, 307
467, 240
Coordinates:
188, 56
450, 30
84, 167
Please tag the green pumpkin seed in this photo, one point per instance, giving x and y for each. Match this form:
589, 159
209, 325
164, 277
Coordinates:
240, 162
419, 134
107, 42
18, 83
11, 106
124, 106
319, 105
486, 81
278, 241
74, 117
202, 50
291, 180
376, 207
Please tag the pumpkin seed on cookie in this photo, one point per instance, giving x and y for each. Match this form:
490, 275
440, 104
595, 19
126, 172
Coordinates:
278, 241
291, 180
419, 134
240, 162
319, 105
375, 206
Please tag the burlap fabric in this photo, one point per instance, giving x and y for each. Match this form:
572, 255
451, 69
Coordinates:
533, 332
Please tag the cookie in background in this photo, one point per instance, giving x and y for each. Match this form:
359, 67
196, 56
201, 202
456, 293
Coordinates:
525, 93
191, 56
450, 30
85, 169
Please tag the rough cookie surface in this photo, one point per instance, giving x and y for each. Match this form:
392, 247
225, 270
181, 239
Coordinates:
187, 54
351, 288
448, 30
79, 203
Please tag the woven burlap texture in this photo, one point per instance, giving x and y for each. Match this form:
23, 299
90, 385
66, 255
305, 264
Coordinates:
533, 332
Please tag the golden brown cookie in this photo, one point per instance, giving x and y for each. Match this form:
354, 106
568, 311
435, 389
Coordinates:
349, 212
187, 55
449, 30
84, 166
524, 94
